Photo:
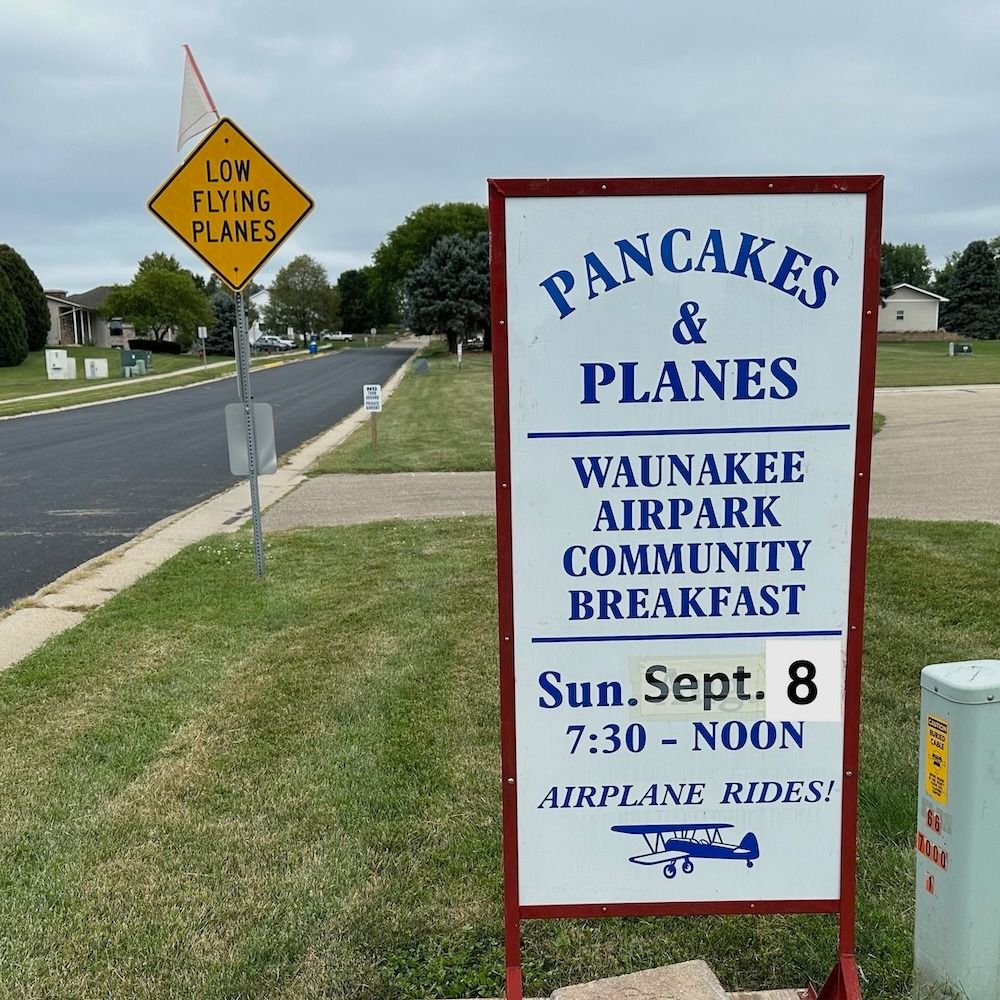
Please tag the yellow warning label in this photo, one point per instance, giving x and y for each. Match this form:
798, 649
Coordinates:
936, 739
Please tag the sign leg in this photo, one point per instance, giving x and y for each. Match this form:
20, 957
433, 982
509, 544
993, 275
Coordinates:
512, 951
243, 375
843, 982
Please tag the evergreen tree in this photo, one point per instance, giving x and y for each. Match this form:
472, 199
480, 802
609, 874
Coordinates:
28, 289
449, 292
13, 338
975, 293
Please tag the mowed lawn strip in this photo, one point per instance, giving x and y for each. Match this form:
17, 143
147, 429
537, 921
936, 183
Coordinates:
927, 363
442, 421
438, 421
220, 788
30, 379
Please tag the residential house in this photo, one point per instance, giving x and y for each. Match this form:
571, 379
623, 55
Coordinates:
910, 309
77, 319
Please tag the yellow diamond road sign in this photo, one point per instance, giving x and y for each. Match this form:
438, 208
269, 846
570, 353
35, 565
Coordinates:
231, 204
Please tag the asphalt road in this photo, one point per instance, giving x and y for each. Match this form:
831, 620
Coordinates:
77, 483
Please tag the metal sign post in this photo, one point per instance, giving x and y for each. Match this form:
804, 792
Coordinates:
233, 206
684, 376
243, 380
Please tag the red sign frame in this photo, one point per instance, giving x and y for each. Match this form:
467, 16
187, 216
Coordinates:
843, 982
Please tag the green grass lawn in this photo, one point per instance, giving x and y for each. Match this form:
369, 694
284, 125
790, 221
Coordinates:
219, 788
440, 421
927, 363
29, 379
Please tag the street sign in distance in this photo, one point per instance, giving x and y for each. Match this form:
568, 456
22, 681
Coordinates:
231, 204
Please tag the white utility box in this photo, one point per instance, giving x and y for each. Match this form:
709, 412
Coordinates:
95, 367
55, 364
957, 920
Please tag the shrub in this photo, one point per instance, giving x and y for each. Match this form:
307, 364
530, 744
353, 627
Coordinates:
156, 346
13, 339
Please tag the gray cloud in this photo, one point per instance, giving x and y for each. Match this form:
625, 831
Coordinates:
376, 109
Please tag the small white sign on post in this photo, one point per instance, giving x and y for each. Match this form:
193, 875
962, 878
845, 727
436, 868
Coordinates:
373, 399
202, 332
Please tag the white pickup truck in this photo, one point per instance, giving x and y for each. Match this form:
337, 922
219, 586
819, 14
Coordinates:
337, 336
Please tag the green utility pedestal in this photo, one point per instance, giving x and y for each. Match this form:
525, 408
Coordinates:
957, 920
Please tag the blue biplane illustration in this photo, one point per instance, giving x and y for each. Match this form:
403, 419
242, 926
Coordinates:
673, 843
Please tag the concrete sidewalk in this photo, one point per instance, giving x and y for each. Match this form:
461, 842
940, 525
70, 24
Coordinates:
354, 499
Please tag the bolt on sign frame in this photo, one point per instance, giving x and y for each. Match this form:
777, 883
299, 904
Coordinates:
684, 376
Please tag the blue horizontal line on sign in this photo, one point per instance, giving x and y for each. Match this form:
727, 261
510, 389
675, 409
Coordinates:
682, 635
681, 431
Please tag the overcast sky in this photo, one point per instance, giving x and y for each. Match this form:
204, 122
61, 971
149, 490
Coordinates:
376, 108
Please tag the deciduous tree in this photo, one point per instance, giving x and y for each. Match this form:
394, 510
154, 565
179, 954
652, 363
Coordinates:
161, 297
886, 282
299, 297
907, 262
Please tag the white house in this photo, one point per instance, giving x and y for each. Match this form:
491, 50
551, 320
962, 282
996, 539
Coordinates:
909, 309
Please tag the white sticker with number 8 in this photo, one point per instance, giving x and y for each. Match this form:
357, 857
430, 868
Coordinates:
804, 680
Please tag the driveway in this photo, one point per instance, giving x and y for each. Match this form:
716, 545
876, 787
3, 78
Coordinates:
938, 456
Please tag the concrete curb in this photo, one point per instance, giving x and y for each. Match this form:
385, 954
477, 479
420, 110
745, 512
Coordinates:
64, 603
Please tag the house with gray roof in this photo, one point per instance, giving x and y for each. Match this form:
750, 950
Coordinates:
77, 319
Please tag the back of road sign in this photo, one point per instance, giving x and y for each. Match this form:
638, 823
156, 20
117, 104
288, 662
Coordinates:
263, 420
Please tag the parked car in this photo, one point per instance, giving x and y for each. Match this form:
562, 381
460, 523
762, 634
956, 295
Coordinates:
339, 335
269, 343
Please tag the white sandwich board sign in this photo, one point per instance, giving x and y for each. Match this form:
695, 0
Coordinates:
683, 374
